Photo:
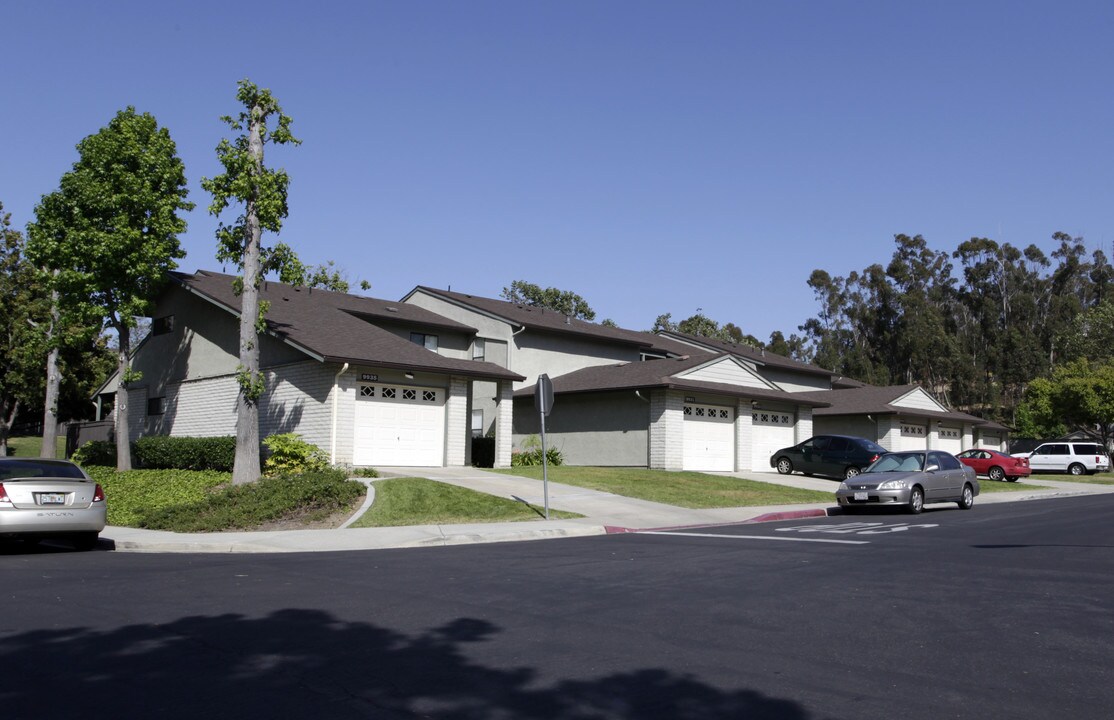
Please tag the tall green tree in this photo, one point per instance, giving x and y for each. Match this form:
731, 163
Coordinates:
565, 302
263, 193
1076, 396
23, 308
111, 234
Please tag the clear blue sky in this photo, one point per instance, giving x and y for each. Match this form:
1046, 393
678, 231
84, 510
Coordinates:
652, 156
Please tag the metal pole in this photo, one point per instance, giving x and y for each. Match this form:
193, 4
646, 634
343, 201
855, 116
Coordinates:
545, 469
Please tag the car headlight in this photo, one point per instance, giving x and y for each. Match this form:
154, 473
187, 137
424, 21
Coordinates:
843, 486
892, 485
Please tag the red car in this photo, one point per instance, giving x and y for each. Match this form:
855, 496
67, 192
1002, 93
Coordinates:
995, 465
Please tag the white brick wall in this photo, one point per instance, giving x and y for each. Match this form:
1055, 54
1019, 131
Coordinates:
456, 422
889, 432
744, 436
504, 424
803, 429
666, 430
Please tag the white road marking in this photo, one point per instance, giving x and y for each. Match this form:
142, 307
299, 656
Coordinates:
756, 537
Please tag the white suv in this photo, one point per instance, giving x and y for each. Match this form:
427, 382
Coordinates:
1070, 457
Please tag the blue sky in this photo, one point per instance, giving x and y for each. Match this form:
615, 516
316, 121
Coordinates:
652, 156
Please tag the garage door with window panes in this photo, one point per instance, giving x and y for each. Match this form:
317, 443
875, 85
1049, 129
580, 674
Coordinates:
951, 439
399, 425
771, 431
994, 442
914, 437
709, 438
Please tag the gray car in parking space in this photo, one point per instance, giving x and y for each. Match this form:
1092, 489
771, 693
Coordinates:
909, 480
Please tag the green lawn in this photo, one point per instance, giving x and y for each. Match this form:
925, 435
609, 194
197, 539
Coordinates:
683, 489
30, 446
1100, 479
417, 501
990, 486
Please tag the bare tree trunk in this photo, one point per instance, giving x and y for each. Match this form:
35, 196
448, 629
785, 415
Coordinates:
123, 433
6, 422
53, 382
246, 466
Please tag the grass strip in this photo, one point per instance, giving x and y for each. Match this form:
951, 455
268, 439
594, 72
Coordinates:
418, 501
683, 489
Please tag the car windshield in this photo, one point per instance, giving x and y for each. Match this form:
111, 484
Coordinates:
11, 469
898, 462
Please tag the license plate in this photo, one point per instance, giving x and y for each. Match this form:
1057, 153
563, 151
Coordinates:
52, 498
862, 495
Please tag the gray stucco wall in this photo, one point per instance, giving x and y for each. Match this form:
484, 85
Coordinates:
608, 429
858, 425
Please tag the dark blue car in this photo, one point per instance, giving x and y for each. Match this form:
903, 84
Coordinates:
838, 456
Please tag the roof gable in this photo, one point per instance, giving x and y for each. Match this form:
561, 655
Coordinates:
726, 370
918, 399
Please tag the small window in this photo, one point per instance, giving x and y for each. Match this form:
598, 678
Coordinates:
429, 342
478, 349
162, 325
156, 405
477, 423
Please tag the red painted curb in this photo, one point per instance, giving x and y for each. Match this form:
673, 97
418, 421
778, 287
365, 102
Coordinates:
769, 517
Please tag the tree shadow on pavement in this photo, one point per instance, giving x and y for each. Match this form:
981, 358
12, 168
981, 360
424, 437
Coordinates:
308, 664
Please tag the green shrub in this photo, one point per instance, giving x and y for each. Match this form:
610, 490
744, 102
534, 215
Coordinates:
365, 472
290, 454
310, 495
185, 453
133, 496
96, 452
531, 457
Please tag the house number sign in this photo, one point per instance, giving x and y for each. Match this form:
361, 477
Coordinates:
369, 376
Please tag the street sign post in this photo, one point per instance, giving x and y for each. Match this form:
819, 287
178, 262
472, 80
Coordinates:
543, 399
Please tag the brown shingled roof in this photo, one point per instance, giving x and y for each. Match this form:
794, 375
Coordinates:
874, 400
660, 374
757, 355
546, 320
338, 327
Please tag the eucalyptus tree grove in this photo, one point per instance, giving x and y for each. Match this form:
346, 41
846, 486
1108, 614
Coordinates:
975, 327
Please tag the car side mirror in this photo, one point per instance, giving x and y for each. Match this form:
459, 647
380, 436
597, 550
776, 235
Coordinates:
932, 468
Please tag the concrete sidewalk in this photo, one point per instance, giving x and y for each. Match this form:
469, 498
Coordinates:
603, 513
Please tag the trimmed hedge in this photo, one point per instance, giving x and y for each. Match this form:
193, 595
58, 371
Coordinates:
162, 452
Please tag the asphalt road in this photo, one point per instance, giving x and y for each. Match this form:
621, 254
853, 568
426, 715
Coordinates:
1006, 611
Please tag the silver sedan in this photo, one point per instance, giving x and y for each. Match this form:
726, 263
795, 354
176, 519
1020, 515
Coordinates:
50, 498
909, 480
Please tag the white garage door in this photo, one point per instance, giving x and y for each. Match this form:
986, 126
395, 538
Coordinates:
951, 440
709, 443
399, 425
771, 431
991, 442
914, 437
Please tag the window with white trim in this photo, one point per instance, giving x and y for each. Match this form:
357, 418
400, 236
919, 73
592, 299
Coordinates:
429, 342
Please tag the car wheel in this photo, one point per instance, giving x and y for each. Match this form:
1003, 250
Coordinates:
784, 466
84, 541
967, 500
916, 500
1077, 469
996, 474
850, 472
1012, 479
